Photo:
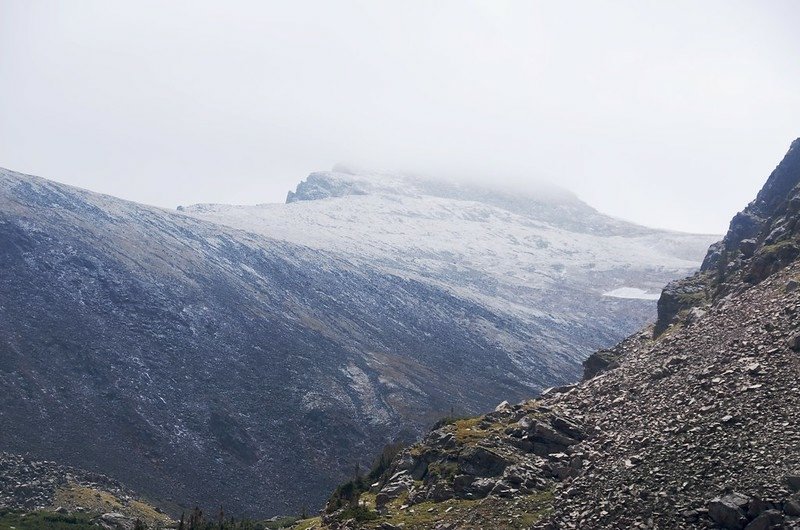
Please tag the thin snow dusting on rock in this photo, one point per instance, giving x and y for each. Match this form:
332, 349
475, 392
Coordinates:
224, 354
532, 254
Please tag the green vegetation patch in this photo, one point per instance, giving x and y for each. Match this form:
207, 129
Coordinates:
787, 245
428, 513
491, 512
308, 524
445, 470
468, 431
14, 520
358, 513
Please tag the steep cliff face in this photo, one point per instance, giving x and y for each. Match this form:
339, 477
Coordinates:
691, 428
762, 239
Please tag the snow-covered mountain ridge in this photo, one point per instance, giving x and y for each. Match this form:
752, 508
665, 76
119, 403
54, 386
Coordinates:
507, 250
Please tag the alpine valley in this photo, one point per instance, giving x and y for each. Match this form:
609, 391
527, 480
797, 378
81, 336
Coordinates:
252, 356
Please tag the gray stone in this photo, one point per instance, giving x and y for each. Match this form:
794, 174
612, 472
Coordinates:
482, 462
694, 315
115, 521
748, 247
504, 406
728, 511
765, 521
792, 506
504, 489
381, 499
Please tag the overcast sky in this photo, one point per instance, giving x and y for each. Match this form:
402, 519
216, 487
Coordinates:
671, 113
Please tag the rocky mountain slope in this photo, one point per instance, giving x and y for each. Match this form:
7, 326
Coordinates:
568, 275
687, 424
30, 485
202, 363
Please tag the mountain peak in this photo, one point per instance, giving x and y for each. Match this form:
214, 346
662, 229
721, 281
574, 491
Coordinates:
344, 180
761, 240
541, 202
325, 185
780, 184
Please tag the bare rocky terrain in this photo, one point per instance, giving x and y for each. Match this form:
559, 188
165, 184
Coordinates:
31, 484
28, 486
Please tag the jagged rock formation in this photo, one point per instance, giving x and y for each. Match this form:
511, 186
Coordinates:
200, 363
30, 484
510, 459
761, 240
693, 427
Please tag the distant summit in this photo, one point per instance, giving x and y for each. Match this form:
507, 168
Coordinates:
327, 184
541, 201
344, 180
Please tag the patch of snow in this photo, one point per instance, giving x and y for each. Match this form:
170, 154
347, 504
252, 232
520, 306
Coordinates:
632, 293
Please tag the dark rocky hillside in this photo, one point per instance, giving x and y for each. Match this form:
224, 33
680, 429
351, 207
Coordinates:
199, 363
202, 364
693, 426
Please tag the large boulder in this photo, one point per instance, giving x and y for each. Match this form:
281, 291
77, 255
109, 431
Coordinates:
729, 511
599, 362
115, 521
481, 462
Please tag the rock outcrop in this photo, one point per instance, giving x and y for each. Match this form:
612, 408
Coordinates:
762, 239
695, 422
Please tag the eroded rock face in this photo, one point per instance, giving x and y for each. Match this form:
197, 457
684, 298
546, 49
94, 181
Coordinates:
27, 484
115, 521
762, 239
680, 297
690, 418
599, 362
729, 511
321, 186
